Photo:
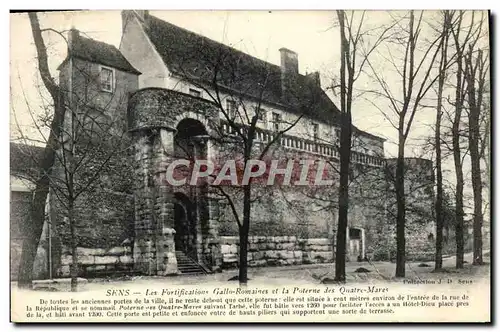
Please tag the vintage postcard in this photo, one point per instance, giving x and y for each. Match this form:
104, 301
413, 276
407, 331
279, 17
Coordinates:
250, 166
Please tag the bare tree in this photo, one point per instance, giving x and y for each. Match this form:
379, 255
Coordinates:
476, 69
88, 147
240, 86
471, 36
415, 78
82, 143
42, 183
345, 150
354, 55
484, 151
443, 64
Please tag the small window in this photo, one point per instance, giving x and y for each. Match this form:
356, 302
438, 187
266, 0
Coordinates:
354, 233
106, 79
315, 131
262, 115
337, 134
194, 92
276, 121
231, 108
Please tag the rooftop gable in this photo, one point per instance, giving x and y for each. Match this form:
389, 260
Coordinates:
97, 52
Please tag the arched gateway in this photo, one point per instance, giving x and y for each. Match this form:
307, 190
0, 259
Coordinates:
171, 222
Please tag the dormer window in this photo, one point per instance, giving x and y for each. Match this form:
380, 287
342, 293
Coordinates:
276, 121
106, 77
315, 127
337, 134
231, 109
262, 115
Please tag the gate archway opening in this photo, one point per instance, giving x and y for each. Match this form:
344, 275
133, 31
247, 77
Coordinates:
190, 139
185, 225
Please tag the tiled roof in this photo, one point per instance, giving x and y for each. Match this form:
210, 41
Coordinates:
188, 54
24, 159
99, 52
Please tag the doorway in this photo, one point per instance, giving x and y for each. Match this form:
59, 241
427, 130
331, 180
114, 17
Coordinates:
185, 225
355, 245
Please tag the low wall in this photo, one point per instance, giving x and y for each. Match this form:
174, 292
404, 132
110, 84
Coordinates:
276, 250
98, 262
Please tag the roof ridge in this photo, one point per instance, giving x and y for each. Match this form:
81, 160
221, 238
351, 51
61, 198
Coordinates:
98, 51
278, 67
98, 41
214, 41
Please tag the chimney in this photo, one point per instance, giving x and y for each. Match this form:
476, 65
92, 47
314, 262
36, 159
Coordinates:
142, 14
289, 70
127, 15
73, 35
314, 77
289, 61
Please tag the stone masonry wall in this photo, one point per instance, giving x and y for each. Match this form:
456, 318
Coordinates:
95, 262
420, 219
277, 251
103, 220
144, 227
104, 208
153, 116
311, 211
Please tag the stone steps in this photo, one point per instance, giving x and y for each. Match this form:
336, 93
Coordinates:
187, 265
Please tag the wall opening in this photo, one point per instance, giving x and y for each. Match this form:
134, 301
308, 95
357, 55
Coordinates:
185, 225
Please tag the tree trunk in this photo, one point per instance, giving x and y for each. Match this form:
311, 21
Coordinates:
475, 72
439, 189
243, 230
439, 173
459, 207
346, 87
401, 206
345, 154
32, 233
74, 254
476, 180
477, 188
37, 214
457, 159
438, 262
